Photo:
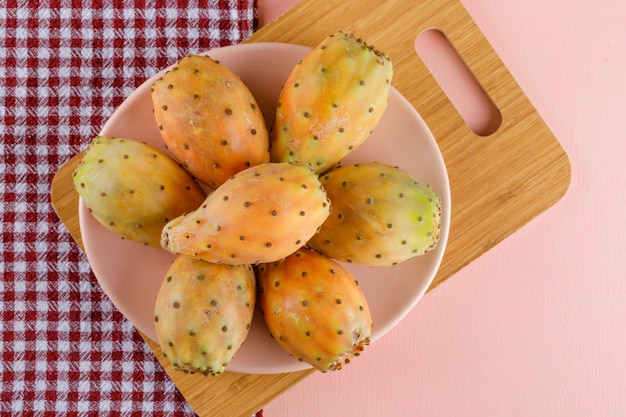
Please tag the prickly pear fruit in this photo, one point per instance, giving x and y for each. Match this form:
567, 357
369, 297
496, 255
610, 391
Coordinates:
261, 214
331, 102
203, 313
134, 189
381, 215
209, 119
314, 309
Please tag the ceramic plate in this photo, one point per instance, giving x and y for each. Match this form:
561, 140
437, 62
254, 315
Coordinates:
131, 273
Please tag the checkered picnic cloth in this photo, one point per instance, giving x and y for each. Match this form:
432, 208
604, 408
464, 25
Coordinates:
65, 66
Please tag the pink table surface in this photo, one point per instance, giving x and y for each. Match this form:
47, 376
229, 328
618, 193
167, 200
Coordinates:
536, 326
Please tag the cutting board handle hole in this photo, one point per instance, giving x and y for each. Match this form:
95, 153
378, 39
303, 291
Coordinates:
458, 82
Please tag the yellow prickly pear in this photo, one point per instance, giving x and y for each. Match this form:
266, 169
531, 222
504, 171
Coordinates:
261, 214
203, 313
209, 119
331, 102
381, 215
314, 309
134, 189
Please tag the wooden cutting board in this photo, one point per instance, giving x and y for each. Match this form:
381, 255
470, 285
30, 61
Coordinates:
498, 182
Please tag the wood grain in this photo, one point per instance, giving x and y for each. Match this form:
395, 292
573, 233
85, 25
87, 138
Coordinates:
498, 182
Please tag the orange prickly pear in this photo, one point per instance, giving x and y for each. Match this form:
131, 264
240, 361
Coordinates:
331, 102
203, 313
314, 309
209, 119
134, 189
261, 214
381, 215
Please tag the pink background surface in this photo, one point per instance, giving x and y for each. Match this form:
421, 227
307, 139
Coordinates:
536, 326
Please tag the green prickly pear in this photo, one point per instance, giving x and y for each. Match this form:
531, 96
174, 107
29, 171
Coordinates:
381, 215
203, 313
261, 214
209, 119
314, 309
134, 189
331, 102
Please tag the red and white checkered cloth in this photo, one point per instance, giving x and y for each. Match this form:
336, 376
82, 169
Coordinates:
65, 66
